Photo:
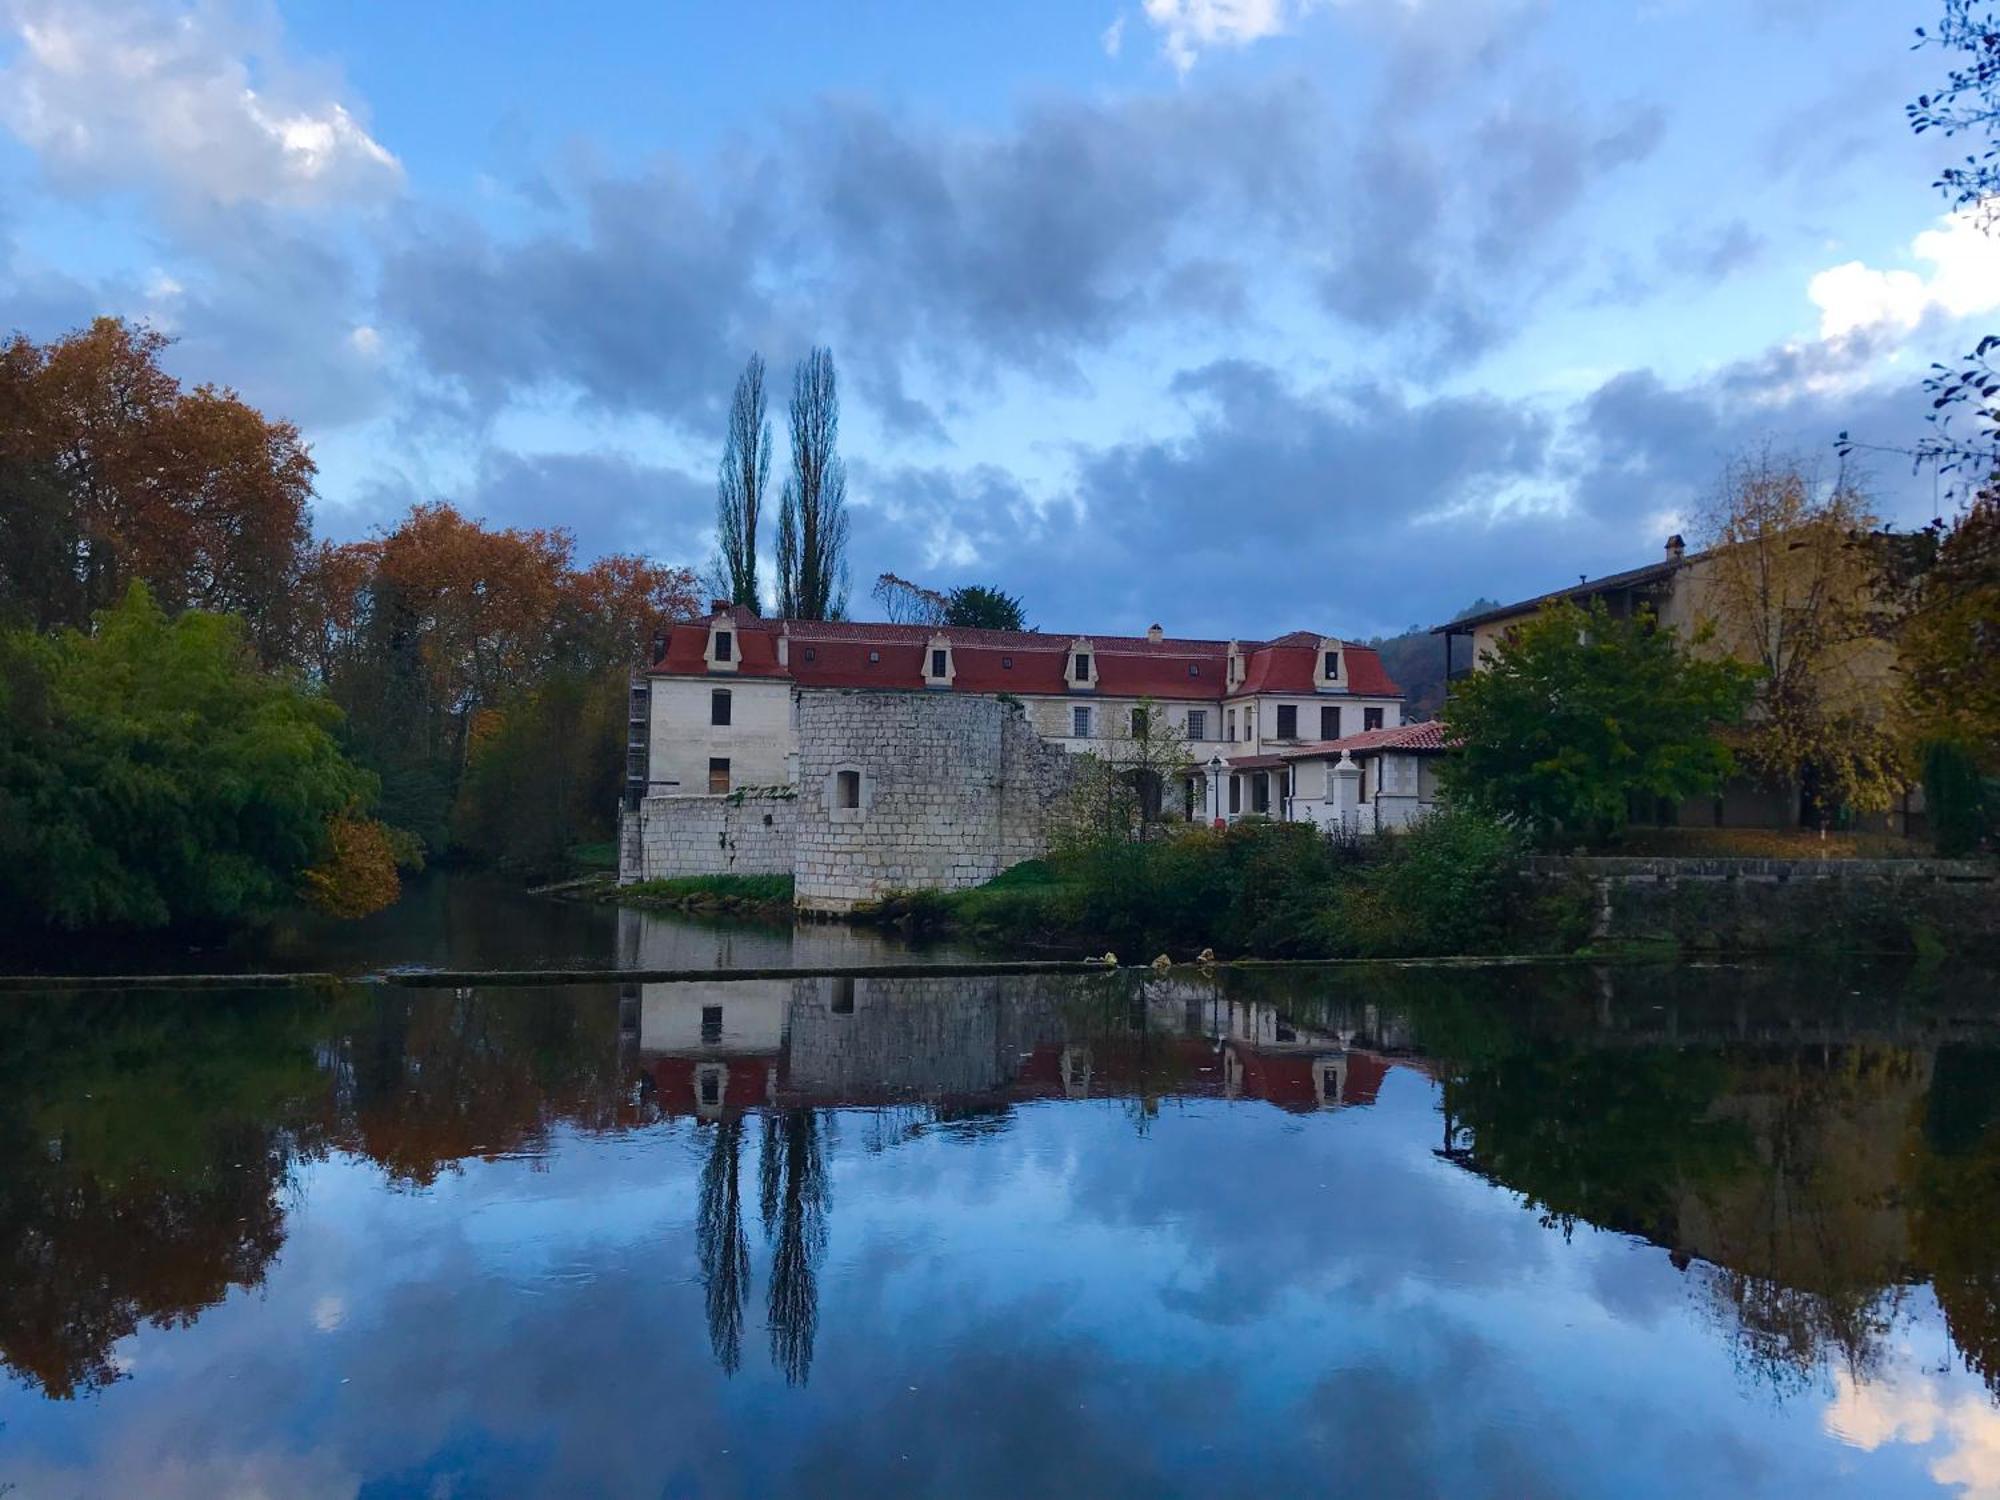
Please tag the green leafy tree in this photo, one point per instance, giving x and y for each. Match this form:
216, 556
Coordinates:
151, 774
1578, 712
980, 607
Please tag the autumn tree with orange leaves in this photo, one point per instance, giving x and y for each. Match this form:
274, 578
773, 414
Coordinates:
111, 472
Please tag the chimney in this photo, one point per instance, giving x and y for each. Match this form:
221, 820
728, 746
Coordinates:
1155, 634
718, 606
785, 644
1676, 548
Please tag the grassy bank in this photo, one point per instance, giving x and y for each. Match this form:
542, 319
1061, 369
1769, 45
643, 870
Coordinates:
765, 897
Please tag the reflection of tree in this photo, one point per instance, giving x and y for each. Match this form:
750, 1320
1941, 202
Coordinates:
794, 1196
1611, 1138
142, 1153
725, 1248
1955, 1218
431, 1077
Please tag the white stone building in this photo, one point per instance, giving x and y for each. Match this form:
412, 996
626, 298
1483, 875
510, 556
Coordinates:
722, 778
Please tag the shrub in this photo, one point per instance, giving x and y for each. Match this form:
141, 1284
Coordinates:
1449, 884
1958, 800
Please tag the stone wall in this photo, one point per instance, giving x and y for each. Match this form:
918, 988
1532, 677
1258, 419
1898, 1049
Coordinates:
744, 833
946, 790
1773, 905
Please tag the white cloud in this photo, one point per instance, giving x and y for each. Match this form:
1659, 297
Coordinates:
110, 93
1188, 27
1964, 280
1964, 1427
1114, 37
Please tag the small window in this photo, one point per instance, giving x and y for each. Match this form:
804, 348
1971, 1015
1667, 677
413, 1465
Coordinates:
843, 997
937, 663
1006, 663
711, 1086
1236, 794
1079, 723
873, 657
1083, 666
718, 774
1197, 724
1229, 721
718, 706
1194, 669
711, 1025
1250, 723
725, 644
847, 788
1371, 718
1329, 723
1332, 665
812, 654
1288, 721
1138, 723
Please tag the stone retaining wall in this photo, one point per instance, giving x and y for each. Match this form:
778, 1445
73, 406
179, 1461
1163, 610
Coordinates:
742, 833
1782, 904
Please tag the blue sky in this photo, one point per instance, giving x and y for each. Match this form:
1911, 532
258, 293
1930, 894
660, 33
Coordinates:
1239, 315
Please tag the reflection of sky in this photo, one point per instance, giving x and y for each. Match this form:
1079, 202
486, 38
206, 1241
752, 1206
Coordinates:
1237, 1301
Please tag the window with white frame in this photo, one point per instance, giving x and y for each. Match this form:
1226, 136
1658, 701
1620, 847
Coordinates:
1079, 723
1197, 724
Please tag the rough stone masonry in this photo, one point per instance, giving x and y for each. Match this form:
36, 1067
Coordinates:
914, 791
897, 791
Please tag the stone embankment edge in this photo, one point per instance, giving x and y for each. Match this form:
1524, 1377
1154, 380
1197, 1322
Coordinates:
520, 978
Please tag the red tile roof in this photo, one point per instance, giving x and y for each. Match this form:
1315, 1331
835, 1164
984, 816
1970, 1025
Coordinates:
858, 653
1424, 738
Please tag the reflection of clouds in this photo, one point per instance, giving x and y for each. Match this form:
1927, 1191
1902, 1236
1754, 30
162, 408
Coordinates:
1922, 1410
329, 1313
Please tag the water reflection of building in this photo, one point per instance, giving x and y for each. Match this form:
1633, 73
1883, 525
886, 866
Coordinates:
709, 1048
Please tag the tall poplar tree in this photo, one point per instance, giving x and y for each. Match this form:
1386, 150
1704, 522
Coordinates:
812, 513
740, 486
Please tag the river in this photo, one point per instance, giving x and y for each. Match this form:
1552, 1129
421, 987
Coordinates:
1636, 1231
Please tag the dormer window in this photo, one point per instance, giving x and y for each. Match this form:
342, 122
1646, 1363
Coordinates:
725, 645
1327, 671
812, 653
1006, 663
939, 667
1194, 669
1081, 671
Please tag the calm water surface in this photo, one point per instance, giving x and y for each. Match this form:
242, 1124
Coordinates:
1699, 1232
466, 920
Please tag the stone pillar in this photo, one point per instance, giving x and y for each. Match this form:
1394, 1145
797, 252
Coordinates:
1343, 792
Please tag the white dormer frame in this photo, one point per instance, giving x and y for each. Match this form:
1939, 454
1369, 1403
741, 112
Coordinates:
1338, 680
1233, 673
723, 627
1081, 648
939, 642
785, 644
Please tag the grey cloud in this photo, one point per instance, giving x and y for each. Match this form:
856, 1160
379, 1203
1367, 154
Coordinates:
945, 259
610, 501
1712, 254
1356, 508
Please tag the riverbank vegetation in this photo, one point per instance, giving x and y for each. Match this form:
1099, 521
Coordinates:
1451, 885
153, 775
209, 715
